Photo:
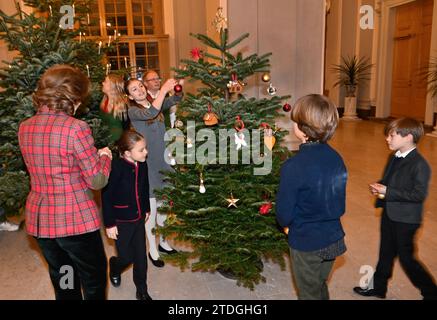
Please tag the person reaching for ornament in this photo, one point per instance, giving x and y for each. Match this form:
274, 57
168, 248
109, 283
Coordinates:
152, 81
113, 108
147, 118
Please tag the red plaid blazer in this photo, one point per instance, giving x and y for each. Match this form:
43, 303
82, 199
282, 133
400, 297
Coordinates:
62, 161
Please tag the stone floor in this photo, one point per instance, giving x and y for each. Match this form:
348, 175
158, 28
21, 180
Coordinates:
23, 273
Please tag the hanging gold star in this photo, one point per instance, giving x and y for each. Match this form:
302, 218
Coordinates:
232, 201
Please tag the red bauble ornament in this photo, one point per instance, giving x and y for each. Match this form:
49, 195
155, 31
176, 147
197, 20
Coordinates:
265, 208
286, 107
177, 88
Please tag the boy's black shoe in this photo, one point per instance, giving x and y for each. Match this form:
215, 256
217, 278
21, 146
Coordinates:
113, 277
161, 249
157, 263
143, 296
369, 293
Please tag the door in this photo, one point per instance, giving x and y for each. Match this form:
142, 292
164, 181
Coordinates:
412, 43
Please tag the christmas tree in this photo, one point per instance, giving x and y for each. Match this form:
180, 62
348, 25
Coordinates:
227, 155
51, 34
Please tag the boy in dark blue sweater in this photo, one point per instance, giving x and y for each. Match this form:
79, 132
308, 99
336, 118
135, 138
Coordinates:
311, 197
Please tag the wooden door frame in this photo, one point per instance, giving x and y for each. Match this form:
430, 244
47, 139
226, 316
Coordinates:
385, 58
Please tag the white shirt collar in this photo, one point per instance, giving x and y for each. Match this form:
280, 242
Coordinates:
154, 96
399, 154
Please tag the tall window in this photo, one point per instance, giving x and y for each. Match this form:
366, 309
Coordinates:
138, 25
116, 16
142, 12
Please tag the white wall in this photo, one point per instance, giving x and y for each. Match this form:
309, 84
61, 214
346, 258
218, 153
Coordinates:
333, 47
293, 30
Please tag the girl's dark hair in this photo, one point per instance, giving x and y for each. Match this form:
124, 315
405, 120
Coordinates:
404, 127
127, 140
316, 116
127, 84
60, 88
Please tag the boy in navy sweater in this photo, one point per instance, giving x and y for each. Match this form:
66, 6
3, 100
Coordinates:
311, 197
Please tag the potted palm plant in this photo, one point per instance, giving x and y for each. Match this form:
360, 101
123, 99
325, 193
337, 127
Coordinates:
352, 72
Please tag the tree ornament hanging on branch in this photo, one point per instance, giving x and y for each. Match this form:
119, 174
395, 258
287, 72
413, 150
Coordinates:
239, 136
286, 107
234, 85
269, 138
196, 54
232, 201
202, 188
177, 88
210, 118
171, 216
265, 77
171, 160
271, 90
265, 208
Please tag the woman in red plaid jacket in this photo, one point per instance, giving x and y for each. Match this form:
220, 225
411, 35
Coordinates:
63, 165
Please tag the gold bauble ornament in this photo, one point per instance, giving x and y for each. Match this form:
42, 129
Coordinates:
265, 77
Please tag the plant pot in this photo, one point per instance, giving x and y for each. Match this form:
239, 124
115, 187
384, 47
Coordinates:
350, 108
350, 90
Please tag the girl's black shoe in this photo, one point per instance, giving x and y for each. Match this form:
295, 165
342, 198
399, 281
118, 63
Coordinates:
157, 263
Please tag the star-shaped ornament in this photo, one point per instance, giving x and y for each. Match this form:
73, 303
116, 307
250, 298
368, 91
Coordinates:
232, 201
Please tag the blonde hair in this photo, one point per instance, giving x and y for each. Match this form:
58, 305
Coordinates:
60, 88
316, 116
116, 101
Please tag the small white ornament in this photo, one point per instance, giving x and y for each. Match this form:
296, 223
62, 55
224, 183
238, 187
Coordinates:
239, 140
202, 188
271, 90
